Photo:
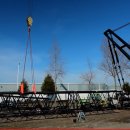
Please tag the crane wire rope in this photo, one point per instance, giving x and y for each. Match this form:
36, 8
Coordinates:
29, 42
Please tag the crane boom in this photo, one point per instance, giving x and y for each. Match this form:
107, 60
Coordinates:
113, 46
110, 36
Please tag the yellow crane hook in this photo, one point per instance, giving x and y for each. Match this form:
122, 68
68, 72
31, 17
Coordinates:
29, 21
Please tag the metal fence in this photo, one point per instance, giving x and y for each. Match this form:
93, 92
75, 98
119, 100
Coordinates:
8, 87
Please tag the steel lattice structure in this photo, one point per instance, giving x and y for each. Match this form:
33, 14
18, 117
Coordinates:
16, 106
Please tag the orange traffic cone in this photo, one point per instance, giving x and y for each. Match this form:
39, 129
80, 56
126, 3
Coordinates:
22, 88
34, 88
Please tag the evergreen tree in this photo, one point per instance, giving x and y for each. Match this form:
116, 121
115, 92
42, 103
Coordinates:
26, 86
126, 87
48, 85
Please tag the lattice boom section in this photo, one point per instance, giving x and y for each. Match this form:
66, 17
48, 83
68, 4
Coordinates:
14, 105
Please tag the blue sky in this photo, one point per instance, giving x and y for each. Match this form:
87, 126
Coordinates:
77, 26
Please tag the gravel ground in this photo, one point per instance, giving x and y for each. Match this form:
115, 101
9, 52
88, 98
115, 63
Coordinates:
113, 119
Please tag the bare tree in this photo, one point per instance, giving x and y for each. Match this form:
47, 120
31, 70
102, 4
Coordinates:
106, 64
89, 75
56, 68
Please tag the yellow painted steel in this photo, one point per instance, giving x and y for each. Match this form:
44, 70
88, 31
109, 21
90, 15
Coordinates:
29, 21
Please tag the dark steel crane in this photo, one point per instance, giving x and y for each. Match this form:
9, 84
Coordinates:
113, 43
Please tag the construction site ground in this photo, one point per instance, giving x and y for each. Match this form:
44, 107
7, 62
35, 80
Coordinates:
108, 119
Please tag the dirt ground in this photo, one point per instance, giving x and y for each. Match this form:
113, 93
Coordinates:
111, 119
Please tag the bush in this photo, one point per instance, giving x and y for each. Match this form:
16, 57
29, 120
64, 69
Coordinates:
126, 88
48, 85
26, 86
